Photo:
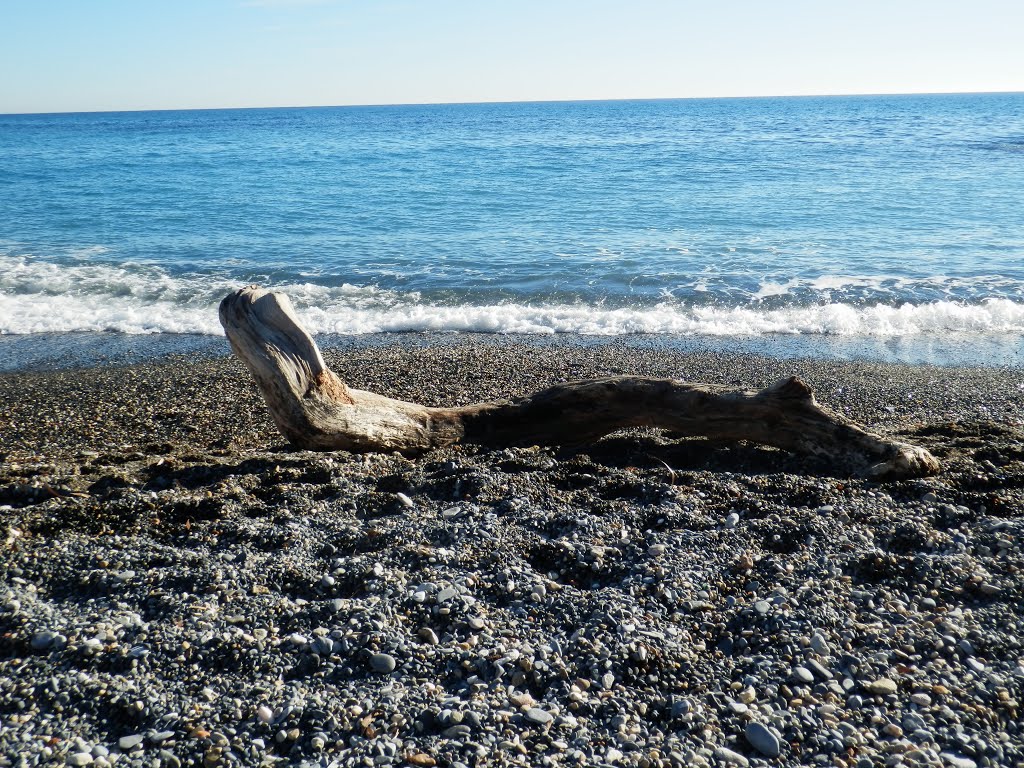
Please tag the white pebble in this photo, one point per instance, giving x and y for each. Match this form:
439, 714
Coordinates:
129, 742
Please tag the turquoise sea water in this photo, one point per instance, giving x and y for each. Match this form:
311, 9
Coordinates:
876, 220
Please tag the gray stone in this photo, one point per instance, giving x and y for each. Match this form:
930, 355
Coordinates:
819, 670
130, 742
820, 644
538, 716
803, 675
733, 758
957, 761
761, 739
383, 663
883, 686
41, 641
446, 594
428, 636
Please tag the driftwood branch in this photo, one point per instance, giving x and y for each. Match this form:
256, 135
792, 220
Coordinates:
316, 410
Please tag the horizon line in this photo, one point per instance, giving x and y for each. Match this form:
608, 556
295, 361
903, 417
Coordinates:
511, 101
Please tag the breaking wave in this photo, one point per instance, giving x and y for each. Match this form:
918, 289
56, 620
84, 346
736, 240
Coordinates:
43, 297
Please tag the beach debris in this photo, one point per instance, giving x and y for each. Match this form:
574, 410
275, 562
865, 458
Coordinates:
315, 410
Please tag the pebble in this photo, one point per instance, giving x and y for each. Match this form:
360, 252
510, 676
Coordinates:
819, 671
803, 675
883, 686
41, 641
726, 755
446, 594
539, 716
954, 760
383, 663
429, 636
761, 739
130, 742
820, 644
323, 646
420, 759
79, 758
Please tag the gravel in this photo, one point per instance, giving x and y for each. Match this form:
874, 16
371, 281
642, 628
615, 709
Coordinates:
181, 589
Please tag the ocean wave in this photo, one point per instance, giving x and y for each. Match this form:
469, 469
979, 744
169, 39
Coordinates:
43, 297
43, 313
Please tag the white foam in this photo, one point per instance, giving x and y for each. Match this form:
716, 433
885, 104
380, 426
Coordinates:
41, 297
995, 316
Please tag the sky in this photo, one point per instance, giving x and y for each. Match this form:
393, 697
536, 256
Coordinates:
97, 55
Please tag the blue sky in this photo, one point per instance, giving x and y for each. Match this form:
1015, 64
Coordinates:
83, 55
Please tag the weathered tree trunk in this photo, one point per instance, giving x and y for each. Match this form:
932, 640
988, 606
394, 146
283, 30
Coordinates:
316, 410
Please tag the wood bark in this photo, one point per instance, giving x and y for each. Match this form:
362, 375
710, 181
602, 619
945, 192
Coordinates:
316, 410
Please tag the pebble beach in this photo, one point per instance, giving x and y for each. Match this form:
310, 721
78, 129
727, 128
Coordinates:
182, 589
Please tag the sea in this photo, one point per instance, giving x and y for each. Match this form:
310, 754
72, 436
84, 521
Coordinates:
886, 228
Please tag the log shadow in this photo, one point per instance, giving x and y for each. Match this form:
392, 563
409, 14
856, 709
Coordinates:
665, 457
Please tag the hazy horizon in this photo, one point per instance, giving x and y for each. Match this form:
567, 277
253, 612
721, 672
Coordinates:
522, 101
116, 55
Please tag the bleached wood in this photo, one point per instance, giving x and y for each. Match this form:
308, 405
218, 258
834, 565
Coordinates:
316, 410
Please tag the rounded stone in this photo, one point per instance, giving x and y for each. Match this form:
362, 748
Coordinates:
323, 646
130, 742
761, 739
538, 716
43, 640
383, 663
883, 686
803, 675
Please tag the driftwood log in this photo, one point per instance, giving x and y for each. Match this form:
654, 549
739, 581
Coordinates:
316, 410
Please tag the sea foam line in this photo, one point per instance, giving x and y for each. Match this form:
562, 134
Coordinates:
39, 296
382, 312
